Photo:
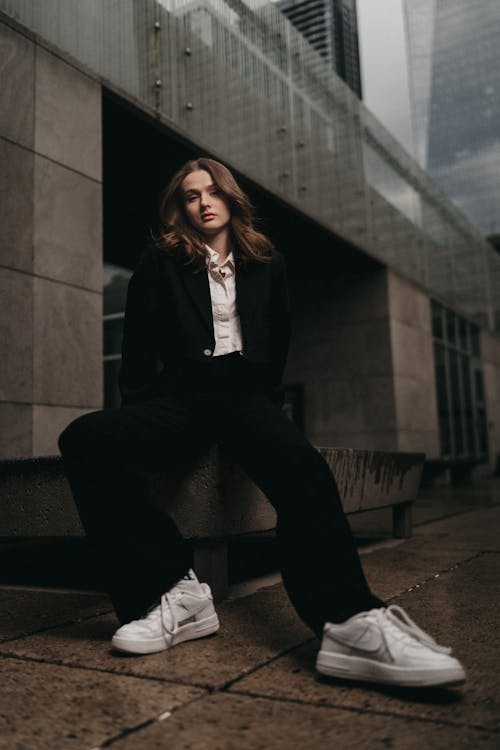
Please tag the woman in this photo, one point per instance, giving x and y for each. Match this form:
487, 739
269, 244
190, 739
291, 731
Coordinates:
209, 302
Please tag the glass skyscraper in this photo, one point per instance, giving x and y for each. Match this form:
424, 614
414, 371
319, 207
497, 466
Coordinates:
331, 27
454, 63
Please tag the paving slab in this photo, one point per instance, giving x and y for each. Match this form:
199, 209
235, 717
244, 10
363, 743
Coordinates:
65, 688
391, 571
231, 722
477, 530
459, 609
27, 610
253, 630
47, 706
432, 504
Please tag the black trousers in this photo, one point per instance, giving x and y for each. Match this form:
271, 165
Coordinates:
107, 455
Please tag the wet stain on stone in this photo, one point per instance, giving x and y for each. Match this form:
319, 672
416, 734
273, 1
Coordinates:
359, 473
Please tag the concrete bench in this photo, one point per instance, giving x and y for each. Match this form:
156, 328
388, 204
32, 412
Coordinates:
212, 503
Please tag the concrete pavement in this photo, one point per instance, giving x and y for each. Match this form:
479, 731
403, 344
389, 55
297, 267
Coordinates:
253, 685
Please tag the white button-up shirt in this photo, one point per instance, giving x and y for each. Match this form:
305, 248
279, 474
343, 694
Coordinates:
227, 326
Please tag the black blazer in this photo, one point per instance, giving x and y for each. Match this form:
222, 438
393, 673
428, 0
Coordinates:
168, 318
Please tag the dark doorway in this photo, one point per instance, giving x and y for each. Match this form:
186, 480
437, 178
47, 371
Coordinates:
140, 155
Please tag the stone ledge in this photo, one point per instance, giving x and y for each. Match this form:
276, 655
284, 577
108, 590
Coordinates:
211, 503
374, 479
37, 501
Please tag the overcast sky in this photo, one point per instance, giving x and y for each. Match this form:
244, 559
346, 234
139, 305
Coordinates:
384, 66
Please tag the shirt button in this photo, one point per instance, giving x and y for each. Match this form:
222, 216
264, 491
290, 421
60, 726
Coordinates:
207, 352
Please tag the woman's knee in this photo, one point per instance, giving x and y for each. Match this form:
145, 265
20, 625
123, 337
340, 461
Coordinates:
82, 429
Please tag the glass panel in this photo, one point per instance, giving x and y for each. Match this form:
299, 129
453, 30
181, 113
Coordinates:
475, 341
482, 429
456, 404
442, 400
463, 340
116, 280
479, 383
113, 334
451, 331
460, 392
468, 406
437, 320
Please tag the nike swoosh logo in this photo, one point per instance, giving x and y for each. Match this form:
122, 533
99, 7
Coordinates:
191, 618
369, 641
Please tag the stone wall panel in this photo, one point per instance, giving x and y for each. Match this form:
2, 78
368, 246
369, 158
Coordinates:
16, 430
68, 115
16, 206
68, 226
17, 90
67, 346
16, 336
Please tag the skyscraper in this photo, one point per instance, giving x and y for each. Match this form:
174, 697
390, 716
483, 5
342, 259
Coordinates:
454, 56
331, 27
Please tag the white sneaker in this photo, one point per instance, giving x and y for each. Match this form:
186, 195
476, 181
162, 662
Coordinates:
184, 613
378, 646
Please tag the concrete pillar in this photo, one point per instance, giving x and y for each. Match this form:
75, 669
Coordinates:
50, 246
362, 347
413, 367
341, 352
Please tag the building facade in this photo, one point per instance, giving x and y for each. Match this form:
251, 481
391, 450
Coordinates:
331, 27
454, 64
394, 294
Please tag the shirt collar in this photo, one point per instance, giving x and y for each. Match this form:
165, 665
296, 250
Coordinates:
212, 256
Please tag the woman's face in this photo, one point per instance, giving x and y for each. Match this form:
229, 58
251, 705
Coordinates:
206, 207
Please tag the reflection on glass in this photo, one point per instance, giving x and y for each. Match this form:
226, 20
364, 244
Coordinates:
437, 320
470, 447
450, 327
454, 72
483, 432
457, 422
475, 341
459, 386
113, 333
116, 281
462, 334
478, 376
442, 399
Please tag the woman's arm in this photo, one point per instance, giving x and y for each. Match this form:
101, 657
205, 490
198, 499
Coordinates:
138, 369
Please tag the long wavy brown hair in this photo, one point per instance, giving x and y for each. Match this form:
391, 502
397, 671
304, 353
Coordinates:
177, 235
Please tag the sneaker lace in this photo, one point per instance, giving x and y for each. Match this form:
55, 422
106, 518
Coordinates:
405, 624
166, 602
